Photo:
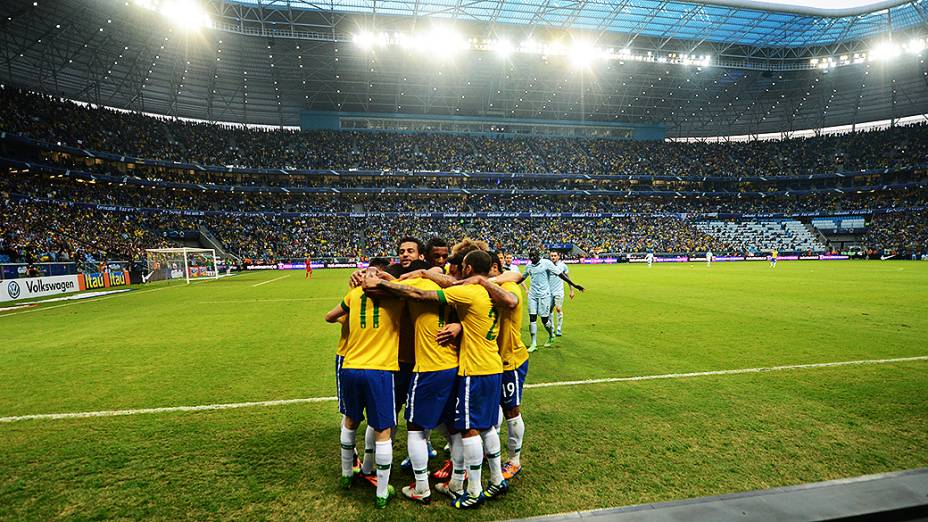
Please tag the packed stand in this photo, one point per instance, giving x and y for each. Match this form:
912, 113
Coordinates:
48, 119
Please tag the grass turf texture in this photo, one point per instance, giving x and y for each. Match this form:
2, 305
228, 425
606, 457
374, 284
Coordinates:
586, 447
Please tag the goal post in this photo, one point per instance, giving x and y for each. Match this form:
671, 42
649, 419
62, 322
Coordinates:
175, 264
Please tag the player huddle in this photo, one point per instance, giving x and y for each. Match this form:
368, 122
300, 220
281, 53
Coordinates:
438, 332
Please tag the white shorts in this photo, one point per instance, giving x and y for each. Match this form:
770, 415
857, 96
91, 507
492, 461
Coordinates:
558, 301
538, 304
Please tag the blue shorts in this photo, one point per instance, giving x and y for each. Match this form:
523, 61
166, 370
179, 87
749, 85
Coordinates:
513, 381
477, 401
429, 396
369, 391
339, 359
539, 305
401, 380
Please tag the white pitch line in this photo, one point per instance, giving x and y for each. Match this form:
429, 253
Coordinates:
726, 372
269, 281
284, 402
85, 301
251, 301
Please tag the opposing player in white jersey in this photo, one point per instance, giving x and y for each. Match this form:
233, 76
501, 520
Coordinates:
708, 258
649, 257
557, 293
539, 295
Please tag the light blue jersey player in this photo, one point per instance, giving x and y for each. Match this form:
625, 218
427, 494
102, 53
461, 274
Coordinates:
539, 294
557, 293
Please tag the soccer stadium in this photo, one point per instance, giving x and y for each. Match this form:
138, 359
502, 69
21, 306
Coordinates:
289, 260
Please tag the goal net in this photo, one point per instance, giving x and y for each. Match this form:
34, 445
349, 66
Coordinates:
181, 264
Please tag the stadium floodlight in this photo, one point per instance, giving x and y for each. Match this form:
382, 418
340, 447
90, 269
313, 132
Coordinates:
530, 46
442, 43
885, 51
502, 47
186, 14
916, 45
582, 53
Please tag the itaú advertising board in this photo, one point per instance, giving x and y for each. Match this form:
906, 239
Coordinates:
27, 288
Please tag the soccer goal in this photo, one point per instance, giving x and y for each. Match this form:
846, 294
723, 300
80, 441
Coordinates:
175, 264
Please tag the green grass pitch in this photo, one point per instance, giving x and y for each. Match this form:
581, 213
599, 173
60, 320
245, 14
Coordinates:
587, 446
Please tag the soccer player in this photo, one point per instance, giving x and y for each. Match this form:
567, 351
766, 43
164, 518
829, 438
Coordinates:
381, 263
557, 292
436, 253
309, 267
366, 379
409, 249
479, 372
773, 258
515, 370
431, 389
708, 258
539, 295
649, 257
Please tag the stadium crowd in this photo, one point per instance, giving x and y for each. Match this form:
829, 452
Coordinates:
47, 217
48, 119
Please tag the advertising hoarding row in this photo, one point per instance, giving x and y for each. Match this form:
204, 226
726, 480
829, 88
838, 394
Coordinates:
28, 288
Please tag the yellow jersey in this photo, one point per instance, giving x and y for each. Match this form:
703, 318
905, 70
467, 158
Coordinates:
511, 348
373, 332
479, 353
343, 337
429, 318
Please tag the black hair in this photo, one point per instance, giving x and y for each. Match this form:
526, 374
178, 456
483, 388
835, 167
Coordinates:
417, 265
379, 262
433, 242
479, 261
456, 260
410, 239
495, 260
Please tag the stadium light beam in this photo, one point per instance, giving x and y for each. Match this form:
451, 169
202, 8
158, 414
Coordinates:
885, 51
916, 45
583, 54
443, 43
186, 14
503, 48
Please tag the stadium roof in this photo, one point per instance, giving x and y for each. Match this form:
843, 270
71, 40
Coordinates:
770, 23
264, 64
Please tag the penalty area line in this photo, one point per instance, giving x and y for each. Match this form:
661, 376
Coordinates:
286, 402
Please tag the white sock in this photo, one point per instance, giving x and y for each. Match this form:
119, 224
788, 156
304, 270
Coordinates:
457, 463
473, 458
560, 321
499, 420
347, 442
384, 456
491, 447
367, 464
533, 329
419, 458
516, 432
